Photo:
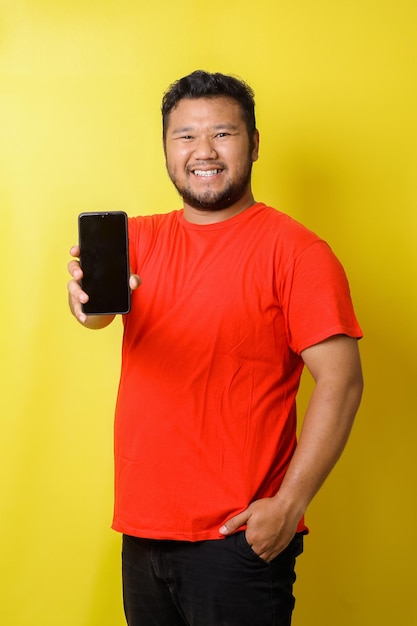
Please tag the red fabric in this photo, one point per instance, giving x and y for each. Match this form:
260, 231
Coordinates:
206, 417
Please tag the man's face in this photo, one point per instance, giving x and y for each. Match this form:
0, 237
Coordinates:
208, 153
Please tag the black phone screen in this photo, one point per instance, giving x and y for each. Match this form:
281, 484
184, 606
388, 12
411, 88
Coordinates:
104, 260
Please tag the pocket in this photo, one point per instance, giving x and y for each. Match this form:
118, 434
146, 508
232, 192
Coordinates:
294, 549
246, 550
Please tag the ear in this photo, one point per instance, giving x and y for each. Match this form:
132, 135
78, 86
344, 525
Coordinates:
255, 148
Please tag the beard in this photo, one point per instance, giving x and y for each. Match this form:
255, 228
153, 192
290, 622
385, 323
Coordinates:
210, 200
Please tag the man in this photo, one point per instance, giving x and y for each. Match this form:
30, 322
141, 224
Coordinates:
233, 299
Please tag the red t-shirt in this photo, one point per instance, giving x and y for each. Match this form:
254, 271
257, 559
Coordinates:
206, 416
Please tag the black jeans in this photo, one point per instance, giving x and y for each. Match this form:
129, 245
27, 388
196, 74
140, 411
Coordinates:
207, 583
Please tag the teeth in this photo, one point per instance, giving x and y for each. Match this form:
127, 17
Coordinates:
206, 173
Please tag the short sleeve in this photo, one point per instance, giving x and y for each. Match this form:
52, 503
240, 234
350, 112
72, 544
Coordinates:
316, 299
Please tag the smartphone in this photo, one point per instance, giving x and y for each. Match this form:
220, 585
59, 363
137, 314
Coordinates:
104, 260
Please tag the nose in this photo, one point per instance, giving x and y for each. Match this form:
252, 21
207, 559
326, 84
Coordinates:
205, 149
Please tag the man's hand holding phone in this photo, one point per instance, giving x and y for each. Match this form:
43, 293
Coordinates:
77, 297
101, 282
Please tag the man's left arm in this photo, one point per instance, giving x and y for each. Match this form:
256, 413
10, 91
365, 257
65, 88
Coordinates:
336, 369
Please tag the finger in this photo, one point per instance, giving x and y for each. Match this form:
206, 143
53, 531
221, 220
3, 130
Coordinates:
77, 297
134, 281
80, 315
76, 293
78, 312
234, 523
75, 270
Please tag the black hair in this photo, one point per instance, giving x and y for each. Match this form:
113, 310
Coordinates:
201, 84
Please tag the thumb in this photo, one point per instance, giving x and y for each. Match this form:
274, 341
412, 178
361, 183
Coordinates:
234, 523
134, 281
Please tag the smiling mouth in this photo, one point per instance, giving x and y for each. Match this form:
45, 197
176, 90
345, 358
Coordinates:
206, 173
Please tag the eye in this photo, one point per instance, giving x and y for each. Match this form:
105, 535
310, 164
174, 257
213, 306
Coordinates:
222, 134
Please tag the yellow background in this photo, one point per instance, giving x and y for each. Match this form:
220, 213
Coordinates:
81, 83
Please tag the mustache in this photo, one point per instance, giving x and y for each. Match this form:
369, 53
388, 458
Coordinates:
212, 165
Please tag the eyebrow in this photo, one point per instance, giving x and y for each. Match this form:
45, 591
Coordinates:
188, 129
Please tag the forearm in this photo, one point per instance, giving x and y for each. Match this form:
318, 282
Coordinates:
326, 428
272, 522
328, 420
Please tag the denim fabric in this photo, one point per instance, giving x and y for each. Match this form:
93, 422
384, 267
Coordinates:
207, 583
